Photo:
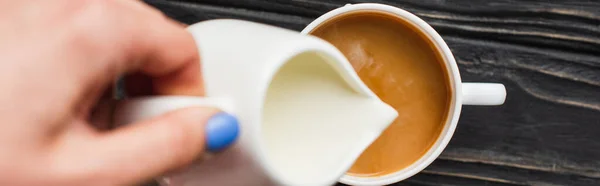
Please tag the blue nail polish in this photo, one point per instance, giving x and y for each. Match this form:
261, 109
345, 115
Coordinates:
222, 130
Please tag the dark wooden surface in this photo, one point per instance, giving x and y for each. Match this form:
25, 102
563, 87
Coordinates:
547, 53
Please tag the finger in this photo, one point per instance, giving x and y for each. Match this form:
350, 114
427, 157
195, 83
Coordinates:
172, 67
169, 56
149, 148
137, 38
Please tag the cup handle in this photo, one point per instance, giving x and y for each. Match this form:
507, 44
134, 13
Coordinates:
483, 94
131, 110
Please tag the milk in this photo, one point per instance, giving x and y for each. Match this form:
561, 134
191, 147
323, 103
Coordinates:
312, 118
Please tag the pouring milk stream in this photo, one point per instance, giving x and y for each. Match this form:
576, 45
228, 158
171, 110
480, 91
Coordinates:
305, 115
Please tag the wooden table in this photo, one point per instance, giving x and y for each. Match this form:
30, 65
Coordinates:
546, 53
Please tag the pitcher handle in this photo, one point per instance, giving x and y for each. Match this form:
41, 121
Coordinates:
131, 110
483, 94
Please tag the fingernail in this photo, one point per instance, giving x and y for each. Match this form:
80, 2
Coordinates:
222, 130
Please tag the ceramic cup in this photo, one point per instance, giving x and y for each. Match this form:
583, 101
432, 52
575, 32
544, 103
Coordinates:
463, 93
239, 61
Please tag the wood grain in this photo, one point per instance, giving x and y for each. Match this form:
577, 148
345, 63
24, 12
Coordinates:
547, 53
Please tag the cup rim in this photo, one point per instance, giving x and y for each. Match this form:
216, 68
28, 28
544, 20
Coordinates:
455, 83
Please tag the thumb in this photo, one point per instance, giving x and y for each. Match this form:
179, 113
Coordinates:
146, 149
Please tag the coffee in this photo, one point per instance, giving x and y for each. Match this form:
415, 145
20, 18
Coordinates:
404, 68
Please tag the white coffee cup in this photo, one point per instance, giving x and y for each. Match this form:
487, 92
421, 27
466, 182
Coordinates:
463, 93
286, 124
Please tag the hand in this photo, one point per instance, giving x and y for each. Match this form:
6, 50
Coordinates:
59, 57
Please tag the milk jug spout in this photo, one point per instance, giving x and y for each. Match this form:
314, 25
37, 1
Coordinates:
318, 118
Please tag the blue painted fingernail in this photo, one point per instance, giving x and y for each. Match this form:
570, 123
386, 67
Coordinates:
222, 130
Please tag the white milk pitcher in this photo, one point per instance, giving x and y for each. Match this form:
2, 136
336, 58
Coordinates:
305, 115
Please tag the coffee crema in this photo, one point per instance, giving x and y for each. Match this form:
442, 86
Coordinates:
403, 67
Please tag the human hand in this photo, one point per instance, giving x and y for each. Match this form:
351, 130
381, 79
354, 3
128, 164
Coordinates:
59, 57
